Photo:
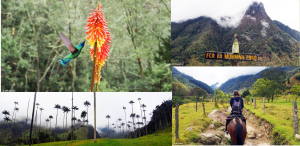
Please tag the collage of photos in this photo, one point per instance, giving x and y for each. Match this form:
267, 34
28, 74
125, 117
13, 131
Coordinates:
149, 72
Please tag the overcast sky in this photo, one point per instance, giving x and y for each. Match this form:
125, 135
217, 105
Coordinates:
108, 103
287, 12
211, 75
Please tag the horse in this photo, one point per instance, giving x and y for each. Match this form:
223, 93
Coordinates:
237, 130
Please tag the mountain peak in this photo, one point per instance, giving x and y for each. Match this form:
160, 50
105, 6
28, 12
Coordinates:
257, 11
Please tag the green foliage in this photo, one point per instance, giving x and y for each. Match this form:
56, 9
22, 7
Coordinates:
297, 76
288, 80
175, 100
296, 90
140, 30
245, 93
264, 88
198, 92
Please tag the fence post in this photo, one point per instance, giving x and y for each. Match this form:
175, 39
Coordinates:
255, 103
264, 105
177, 121
295, 117
203, 106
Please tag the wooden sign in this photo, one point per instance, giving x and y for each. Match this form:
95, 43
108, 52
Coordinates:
230, 56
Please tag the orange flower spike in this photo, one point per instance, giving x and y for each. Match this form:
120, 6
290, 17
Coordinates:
97, 31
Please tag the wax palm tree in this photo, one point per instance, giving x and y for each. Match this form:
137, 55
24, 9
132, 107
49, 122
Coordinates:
124, 108
140, 108
67, 110
83, 115
116, 131
113, 130
12, 118
137, 117
74, 108
6, 120
15, 109
47, 121
35, 121
128, 125
64, 111
50, 118
41, 109
132, 102
87, 104
30, 142
57, 106
108, 117
79, 121
133, 116
122, 124
27, 117
145, 124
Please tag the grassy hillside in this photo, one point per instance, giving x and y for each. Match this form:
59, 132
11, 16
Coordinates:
189, 118
279, 113
294, 80
161, 138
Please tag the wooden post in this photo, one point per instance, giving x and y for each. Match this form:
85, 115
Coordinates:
250, 101
255, 103
177, 121
196, 103
203, 106
264, 105
295, 117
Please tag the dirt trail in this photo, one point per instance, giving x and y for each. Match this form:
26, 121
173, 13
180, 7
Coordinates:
261, 139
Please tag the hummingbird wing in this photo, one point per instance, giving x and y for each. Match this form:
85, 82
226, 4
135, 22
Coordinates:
68, 43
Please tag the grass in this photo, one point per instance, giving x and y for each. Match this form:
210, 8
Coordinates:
160, 138
280, 114
189, 118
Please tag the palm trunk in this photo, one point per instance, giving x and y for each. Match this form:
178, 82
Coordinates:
108, 127
87, 118
27, 117
125, 119
145, 123
30, 142
40, 121
63, 126
141, 113
55, 126
66, 123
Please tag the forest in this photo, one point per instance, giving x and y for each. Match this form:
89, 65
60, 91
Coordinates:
139, 54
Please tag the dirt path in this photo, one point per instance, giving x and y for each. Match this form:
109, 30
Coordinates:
260, 138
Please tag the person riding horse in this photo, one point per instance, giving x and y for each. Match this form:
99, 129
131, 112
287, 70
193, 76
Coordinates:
237, 104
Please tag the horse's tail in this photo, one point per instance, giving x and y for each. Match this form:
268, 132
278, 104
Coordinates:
239, 131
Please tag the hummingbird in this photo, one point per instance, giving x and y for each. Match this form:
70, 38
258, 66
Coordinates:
75, 51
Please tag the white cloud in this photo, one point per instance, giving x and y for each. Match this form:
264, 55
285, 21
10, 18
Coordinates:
287, 12
212, 75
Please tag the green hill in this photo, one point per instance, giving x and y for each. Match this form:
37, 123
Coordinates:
246, 81
161, 138
189, 81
